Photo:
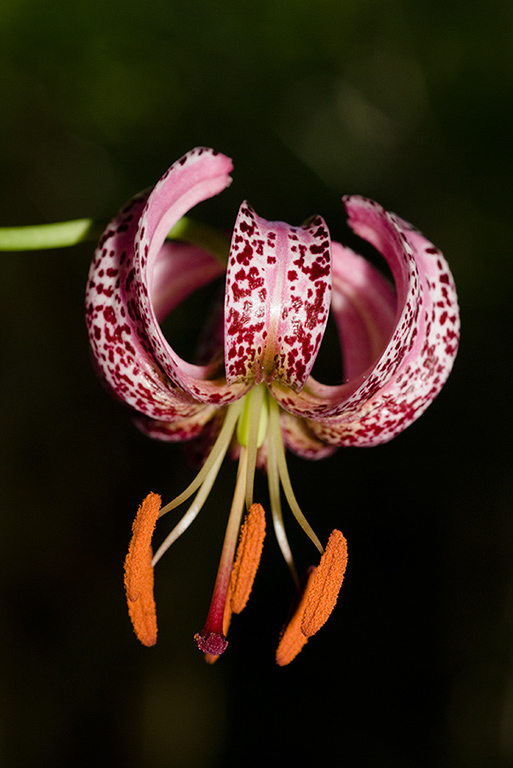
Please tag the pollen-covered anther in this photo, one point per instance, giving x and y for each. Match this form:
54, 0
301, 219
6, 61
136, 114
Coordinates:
322, 592
139, 571
292, 639
317, 601
247, 558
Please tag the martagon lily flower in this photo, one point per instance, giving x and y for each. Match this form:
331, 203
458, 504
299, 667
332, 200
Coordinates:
258, 399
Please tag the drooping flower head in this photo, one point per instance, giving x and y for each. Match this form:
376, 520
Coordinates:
255, 391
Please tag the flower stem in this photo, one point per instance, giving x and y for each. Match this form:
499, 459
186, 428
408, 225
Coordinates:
59, 235
63, 234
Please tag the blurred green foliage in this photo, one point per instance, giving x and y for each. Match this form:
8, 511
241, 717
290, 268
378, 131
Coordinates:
409, 103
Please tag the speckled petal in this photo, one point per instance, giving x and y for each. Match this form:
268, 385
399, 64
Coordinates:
117, 341
299, 438
278, 291
178, 429
364, 308
126, 294
383, 400
197, 176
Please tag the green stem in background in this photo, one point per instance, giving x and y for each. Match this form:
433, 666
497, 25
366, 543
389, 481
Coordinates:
59, 235
67, 233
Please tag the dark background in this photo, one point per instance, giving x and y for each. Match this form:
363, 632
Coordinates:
407, 102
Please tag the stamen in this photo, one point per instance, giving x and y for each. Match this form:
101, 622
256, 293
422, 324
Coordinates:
218, 449
139, 571
247, 559
274, 496
204, 480
293, 640
317, 601
193, 510
323, 590
276, 438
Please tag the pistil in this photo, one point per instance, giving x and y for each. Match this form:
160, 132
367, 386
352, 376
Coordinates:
247, 560
251, 432
211, 640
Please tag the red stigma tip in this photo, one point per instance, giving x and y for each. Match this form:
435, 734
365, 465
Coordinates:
213, 643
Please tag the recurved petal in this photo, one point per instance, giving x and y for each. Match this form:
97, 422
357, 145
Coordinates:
126, 293
202, 173
118, 342
299, 438
278, 291
364, 308
401, 383
177, 429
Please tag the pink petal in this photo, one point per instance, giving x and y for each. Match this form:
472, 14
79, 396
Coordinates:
117, 340
180, 269
197, 176
364, 308
127, 278
299, 438
277, 299
401, 383
177, 429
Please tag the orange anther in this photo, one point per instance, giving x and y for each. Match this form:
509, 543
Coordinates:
139, 571
322, 591
293, 639
317, 601
247, 558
